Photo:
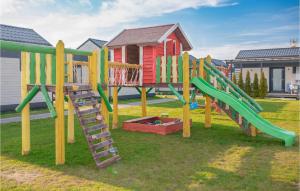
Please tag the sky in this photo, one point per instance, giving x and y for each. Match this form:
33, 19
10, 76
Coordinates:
219, 28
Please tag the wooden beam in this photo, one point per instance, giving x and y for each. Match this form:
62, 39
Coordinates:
115, 108
71, 137
186, 96
144, 102
26, 111
59, 105
208, 104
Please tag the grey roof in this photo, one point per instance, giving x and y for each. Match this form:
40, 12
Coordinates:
97, 42
269, 53
218, 62
149, 35
24, 35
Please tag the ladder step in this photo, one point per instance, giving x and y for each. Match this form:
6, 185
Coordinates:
86, 103
79, 88
102, 144
88, 111
101, 154
82, 96
89, 120
99, 136
95, 127
108, 162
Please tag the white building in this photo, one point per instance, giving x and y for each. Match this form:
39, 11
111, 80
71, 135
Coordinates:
11, 68
280, 67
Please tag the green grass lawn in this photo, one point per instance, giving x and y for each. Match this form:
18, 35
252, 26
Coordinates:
45, 110
220, 158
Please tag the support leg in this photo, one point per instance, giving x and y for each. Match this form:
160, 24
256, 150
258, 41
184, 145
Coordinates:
207, 112
144, 102
115, 110
186, 96
26, 110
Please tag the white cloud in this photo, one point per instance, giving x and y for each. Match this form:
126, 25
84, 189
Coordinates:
73, 27
229, 51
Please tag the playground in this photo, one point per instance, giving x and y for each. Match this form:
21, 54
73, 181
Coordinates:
212, 131
220, 158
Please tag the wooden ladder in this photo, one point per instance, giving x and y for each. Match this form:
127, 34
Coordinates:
95, 130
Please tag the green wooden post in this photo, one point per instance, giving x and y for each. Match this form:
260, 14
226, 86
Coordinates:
158, 69
32, 68
43, 68
53, 68
169, 69
180, 69
102, 67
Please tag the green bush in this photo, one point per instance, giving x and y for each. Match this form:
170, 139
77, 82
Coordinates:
248, 84
234, 78
240, 81
263, 86
255, 86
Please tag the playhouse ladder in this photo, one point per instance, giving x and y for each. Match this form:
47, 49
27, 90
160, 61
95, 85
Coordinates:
95, 130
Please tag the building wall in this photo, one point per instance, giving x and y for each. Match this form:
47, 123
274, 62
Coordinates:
291, 77
11, 84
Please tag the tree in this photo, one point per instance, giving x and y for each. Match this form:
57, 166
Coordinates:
233, 78
263, 86
240, 81
248, 84
255, 86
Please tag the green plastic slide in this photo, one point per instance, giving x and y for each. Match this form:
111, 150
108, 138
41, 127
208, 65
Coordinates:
255, 119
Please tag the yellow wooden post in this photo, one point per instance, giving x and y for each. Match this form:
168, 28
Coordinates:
253, 131
26, 111
37, 68
208, 104
94, 70
71, 137
201, 68
115, 109
194, 67
174, 69
186, 96
104, 109
48, 69
144, 102
59, 104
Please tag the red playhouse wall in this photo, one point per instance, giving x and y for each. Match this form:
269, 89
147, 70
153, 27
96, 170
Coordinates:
151, 52
118, 54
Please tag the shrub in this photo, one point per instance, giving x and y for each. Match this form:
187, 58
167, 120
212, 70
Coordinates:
255, 86
240, 81
233, 78
248, 84
263, 86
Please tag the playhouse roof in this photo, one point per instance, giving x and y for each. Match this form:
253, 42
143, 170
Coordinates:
19, 34
150, 35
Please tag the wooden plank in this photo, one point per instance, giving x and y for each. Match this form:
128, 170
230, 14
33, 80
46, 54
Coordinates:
163, 69
88, 111
32, 68
99, 135
48, 69
174, 69
115, 108
186, 96
144, 102
53, 68
26, 111
169, 64
83, 95
95, 127
59, 105
71, 136
158, 61
101, 154
89, 120
102, 144
180, 69
109, 161
43, 68
37, 68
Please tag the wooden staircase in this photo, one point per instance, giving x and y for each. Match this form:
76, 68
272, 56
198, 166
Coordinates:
95, 130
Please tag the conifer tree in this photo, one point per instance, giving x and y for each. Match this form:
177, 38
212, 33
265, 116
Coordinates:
248, 84
255, 86
233, 78
263, 87
240, 81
